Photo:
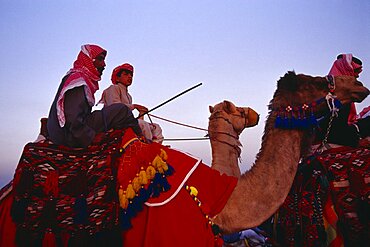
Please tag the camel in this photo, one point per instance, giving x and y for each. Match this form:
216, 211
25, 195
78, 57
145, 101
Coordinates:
337, 195
261, 190
251, 199
226, 123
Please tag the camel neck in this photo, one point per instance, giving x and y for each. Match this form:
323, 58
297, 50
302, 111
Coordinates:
225, 147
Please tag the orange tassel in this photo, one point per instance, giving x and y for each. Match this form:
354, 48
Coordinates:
150, 172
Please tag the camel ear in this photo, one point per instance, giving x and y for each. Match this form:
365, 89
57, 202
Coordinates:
229, 107
211, 109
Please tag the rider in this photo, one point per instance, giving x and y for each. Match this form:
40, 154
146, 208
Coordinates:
71, 121
118, 93
346, 129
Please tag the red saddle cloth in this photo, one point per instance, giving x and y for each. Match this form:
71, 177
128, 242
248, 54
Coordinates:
63, 196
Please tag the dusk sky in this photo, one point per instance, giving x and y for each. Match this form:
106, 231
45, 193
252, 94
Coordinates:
238, 49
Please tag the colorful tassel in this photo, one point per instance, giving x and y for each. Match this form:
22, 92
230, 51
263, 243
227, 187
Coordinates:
170, 170
124, 220
136, 185
143, 177
164, 183
123, 201
150, 172
130, 192
144, 194
163, 155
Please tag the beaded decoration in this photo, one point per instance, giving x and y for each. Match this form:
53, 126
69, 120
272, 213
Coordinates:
149, 182
193, 192
301, 117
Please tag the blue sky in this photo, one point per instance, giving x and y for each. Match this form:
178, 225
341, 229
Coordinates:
238, 49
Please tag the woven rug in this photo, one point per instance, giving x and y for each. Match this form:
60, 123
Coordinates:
328, 204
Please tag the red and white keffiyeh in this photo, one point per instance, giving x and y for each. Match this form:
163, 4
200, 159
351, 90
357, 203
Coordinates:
83, 73
346, 66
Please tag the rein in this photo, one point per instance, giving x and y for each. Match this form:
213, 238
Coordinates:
185, 125
210, 134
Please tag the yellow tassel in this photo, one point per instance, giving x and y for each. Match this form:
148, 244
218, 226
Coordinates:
150, 172
120, 192
136, 184
156, 161
163, 155
193, 191
143, 178
159, 164
130, 192
123, 202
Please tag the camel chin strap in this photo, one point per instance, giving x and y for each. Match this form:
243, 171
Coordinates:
330, 98
333, 106
331, 102
236, 147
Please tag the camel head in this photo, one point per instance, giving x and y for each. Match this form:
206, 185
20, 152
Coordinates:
303, 90
239, 117
349, 89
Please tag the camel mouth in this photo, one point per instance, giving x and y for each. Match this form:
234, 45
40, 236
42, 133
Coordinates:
361, 95
253, 117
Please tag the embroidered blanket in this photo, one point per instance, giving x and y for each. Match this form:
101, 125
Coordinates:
328, 204
63, 192
79, 197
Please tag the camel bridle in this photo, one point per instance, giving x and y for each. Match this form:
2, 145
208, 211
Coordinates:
213, 135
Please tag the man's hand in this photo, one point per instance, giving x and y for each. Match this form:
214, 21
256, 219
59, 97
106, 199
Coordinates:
141, 109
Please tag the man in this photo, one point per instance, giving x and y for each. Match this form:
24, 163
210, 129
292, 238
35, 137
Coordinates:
346, 129
118, 93
71, 121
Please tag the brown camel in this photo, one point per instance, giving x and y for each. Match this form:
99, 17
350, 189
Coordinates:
261, 190
257, 195
226, 123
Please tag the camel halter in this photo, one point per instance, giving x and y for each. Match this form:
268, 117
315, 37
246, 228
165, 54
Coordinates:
213, 137
302, 117
330, 100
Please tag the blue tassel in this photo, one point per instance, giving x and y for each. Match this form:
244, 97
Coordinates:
143, 194
137, 204
285, 123
304, 123
149, 190
125, 221
81, 211
157, 185
294, 123
337, 103
165, 185
131, 211
170, 170
278, 122
312, 120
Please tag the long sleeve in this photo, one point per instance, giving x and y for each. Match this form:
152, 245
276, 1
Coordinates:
117, 94
76, 110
